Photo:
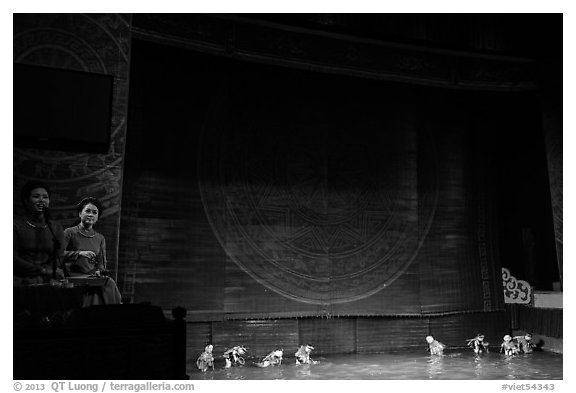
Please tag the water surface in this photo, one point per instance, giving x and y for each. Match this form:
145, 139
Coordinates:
454, 365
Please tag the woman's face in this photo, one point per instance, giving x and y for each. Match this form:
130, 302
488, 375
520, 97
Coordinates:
38, 200
89, 214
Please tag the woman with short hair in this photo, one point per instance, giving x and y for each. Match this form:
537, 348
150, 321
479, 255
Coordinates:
85, 250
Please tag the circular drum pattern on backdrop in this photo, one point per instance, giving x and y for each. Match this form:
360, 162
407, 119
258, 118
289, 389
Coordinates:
319, 215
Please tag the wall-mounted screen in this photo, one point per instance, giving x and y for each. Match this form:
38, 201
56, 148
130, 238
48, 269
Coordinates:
61, 109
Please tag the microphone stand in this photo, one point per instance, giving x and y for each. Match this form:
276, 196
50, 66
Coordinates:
56, 260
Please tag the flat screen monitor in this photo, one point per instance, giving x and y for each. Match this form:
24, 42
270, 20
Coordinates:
61, 109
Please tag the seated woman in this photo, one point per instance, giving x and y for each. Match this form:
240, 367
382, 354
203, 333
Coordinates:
37, 243
85, 250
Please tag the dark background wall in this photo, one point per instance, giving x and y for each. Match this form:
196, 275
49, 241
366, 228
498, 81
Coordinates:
465, 170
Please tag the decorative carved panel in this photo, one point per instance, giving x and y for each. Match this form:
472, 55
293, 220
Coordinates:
515, 291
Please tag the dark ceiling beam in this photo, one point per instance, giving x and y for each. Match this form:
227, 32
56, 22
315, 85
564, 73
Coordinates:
321, 51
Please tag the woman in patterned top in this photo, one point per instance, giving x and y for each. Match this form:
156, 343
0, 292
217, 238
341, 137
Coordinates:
37, 242
85, 250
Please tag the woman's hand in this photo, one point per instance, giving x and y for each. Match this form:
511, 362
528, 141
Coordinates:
87, 254
48, 272
59, 274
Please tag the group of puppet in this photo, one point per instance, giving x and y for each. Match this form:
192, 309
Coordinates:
510, 345
234, 357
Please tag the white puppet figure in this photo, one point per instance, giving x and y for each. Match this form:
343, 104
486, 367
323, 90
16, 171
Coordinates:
234, 356
508, 346
274, 358
435, 347
206, 359
303, 355
478, 344
525, 343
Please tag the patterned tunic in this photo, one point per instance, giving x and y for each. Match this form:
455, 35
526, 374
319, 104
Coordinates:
33, 250
75, 242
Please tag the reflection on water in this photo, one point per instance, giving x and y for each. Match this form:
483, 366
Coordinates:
303, 371
461, 365
435, 366
509, 366
478, 360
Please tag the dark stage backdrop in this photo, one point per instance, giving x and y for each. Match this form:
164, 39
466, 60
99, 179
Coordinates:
262, 192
